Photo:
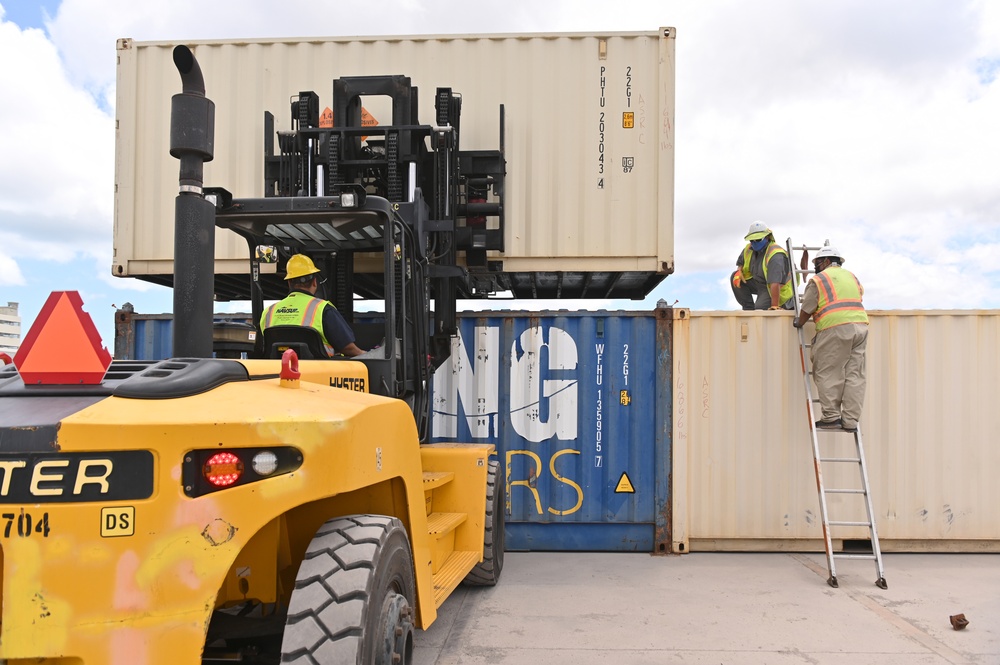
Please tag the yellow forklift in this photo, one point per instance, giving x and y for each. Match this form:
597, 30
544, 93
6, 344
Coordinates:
280, 508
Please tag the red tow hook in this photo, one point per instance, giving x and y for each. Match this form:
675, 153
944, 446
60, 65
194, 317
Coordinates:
289, 369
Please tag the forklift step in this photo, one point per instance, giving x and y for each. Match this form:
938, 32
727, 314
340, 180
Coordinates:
441, 524
435, 479
451, 574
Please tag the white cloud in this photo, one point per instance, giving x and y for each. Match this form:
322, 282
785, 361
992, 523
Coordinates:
55, 178
861, 123
867, 123
10, 272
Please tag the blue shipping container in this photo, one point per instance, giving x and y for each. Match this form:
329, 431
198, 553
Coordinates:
578, 405
150, 336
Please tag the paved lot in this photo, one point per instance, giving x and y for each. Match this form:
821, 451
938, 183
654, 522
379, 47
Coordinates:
708, 608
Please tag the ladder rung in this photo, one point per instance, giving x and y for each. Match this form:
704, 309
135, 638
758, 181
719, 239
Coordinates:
844, 491
865, 557
840, 459
845, 523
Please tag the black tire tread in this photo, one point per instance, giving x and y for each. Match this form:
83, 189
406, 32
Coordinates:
487, 572
327, 608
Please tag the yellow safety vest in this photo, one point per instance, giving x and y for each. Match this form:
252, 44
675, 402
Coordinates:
298, 309
785, 292
839, 299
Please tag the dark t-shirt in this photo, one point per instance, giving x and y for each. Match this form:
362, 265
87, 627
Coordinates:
335, 328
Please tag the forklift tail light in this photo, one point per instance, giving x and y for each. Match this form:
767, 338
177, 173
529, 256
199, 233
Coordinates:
206, 471
223, 469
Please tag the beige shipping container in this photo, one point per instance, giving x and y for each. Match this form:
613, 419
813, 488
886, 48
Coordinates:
742, 458
589, 138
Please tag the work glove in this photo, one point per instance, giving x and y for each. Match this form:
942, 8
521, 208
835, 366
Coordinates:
737, 278
795, 322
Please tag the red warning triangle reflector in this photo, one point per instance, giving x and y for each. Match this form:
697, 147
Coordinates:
63, 346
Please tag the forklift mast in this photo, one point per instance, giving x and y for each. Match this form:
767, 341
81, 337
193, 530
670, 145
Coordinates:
403, 192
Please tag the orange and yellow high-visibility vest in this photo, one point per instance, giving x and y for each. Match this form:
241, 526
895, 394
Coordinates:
298, 309
839, 299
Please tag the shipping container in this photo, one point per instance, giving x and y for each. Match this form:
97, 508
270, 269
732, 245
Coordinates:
742, 458
150, 336
711, 430
578, 405
588, 137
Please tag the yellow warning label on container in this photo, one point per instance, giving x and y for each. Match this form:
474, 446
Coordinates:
624, 485
628, 120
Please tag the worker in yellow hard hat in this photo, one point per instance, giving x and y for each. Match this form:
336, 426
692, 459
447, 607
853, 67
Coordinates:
762, 271
302, 308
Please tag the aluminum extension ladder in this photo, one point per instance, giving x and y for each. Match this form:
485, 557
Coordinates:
834, 438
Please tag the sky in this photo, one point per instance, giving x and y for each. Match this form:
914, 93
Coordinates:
872, 124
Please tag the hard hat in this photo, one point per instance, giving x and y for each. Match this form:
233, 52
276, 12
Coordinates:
757, 231
828, 252
299, 265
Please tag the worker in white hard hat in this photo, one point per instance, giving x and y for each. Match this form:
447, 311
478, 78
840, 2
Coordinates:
762, 271
302, 308
833, 300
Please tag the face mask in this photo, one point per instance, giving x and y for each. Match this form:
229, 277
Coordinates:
757, 245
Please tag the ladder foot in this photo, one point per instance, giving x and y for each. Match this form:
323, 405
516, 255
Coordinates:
833, 582
881, 583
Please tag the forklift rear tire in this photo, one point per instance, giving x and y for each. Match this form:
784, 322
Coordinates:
353, 597
487, 572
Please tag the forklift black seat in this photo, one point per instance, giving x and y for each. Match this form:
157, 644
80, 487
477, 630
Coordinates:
306, 342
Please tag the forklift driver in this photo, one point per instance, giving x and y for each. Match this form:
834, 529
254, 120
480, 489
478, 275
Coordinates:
302, 308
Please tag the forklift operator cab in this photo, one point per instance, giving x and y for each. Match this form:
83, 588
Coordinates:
302, 322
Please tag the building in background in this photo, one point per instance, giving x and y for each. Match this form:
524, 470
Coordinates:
10, 329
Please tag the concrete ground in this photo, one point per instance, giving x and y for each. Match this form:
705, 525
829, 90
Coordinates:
711, 608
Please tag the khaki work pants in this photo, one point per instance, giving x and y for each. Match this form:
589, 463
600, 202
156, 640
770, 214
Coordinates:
838, 360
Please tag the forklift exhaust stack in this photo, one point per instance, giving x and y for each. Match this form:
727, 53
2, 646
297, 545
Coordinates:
192, 141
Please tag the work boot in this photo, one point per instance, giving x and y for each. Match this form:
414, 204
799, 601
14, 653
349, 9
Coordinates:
829, 424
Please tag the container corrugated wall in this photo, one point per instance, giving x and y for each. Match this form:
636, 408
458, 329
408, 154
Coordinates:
577, 162
578, 408
743, 464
